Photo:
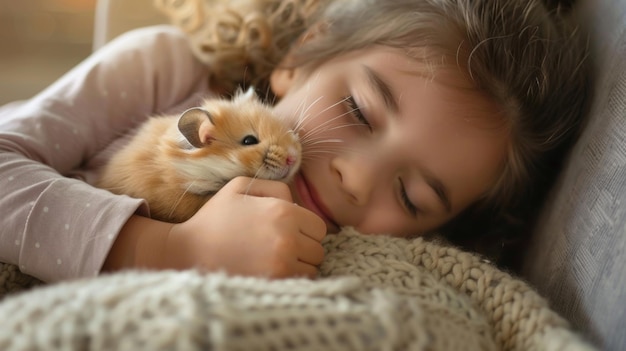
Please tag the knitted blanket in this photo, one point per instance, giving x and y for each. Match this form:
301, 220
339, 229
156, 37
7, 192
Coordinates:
374, 293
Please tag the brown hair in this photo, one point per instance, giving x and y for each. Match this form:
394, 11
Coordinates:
241, 40
525, 57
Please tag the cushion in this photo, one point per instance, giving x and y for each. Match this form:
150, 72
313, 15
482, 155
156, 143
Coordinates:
578, 253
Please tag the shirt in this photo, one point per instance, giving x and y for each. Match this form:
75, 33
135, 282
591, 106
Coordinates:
54, 225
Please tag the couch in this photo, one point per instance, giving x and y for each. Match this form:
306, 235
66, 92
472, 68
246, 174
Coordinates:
575, 262
577, 258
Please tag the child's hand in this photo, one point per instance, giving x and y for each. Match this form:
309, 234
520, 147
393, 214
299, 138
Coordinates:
250, 227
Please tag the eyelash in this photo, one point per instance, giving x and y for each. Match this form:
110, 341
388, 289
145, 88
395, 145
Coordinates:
355, 110
406, 201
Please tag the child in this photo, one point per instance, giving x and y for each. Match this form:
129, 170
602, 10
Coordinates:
417, 116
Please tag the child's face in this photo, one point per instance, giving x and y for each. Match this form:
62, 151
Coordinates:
421, 152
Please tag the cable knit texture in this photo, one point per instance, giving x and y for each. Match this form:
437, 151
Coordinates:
374, 293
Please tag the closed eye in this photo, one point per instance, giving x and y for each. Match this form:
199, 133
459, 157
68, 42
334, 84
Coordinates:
406, 202
355, 110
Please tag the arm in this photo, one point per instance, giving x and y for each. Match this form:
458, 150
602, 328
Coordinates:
54, 227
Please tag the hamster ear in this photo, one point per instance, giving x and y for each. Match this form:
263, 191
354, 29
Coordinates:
196, 125
247, 95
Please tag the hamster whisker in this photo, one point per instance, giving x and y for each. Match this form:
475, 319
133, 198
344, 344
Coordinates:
313, 142
347, 125
320, 113
288, 132
320, 128
304, 116
317, 136
324, 150
268, 94
301, 110
307, 117
323, 126
309, 86
318, 153
332, 106
335, 127
180, 198
331, 149
256, 176
312, 157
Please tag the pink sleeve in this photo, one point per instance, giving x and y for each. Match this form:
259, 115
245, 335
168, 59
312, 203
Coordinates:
55, 227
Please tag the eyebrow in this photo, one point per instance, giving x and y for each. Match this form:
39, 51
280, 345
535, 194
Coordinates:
441, 191
381, 88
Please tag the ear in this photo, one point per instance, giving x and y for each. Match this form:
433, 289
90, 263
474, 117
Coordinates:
281, 80
286, 73
197, 126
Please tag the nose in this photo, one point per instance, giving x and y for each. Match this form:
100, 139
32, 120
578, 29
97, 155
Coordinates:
356, 175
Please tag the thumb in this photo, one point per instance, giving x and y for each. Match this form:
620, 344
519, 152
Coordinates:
260, 188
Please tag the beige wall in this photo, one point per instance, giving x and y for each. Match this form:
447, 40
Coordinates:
39, 41
118, 16
42, 39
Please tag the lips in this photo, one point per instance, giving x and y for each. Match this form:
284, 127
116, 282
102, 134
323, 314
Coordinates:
310, 199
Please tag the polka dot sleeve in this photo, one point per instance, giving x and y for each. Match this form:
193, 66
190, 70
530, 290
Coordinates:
54, 226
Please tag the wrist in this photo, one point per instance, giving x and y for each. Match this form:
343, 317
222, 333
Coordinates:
140, 244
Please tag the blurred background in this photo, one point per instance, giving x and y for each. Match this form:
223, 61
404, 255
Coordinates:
39, 41
42, 39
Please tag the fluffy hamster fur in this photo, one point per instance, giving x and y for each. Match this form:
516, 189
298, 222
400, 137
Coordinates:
176, 163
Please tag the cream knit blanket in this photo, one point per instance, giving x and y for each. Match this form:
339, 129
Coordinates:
374, 293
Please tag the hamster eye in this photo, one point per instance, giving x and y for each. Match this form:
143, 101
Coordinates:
249, 140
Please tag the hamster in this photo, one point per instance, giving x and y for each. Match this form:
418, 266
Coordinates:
176, 163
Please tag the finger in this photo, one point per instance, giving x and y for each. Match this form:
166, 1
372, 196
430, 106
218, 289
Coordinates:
312, 225
310, 251
260, 188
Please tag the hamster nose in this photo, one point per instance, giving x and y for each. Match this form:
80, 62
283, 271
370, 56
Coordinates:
291, 160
